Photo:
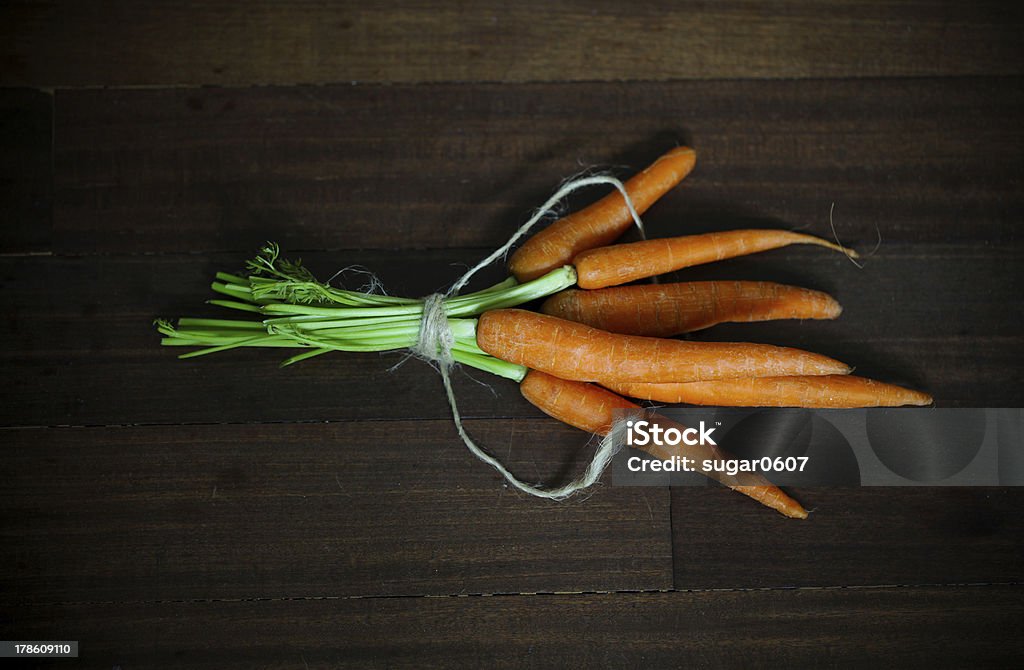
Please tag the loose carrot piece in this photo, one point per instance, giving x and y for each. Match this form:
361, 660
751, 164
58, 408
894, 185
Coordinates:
591, 408
773, 497
833, 391
622, 263
664, 310
602, 222
581, 353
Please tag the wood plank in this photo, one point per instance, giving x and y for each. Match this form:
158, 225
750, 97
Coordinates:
313, 510
71, 44
26, 170
78, 347
892, 627
461, 166
854, 537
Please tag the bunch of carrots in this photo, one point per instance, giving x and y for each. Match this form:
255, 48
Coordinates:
594, 342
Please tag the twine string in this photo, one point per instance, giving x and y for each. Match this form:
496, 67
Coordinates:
435, 343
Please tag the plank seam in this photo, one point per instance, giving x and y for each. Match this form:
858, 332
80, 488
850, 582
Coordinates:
515, 594
54, 88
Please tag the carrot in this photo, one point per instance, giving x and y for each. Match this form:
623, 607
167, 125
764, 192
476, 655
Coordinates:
773, 497
670, 309
602, 222
622, 263
835, 391
581, 353
585, 406
592, 408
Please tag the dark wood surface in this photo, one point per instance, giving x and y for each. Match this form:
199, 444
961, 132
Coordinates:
223, 512
388, 167
885, 626
26, 173
188, 42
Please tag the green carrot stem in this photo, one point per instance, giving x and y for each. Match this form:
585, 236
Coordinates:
301, 357
233, 304
231, 279
220, 323
293, 310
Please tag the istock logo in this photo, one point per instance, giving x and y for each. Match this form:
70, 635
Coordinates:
642, 433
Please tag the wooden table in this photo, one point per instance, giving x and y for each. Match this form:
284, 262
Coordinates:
223, 512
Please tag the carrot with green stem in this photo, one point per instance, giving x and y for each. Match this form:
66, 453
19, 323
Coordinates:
623, 263
291, 310
602, 222
577, 352
827, 391
592, 408
664, 310
318, 319
286, 307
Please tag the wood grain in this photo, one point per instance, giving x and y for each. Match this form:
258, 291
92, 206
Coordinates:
953, 626
853, 537
26, 170
190, 43
930, 160
382, 508
78, 346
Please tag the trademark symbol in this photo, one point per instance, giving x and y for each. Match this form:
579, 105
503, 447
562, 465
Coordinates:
718, 423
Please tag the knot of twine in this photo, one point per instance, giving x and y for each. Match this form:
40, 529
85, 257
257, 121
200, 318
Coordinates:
436, 340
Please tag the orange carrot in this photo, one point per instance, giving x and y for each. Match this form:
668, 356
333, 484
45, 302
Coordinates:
773, 497
585, 406
664, 310
835, 391
602, 222
581, 353
622, 263
591, 408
